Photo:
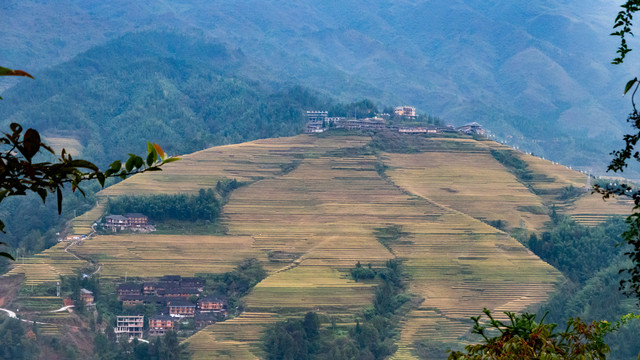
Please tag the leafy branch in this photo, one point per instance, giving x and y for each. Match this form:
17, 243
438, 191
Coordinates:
20, 173
524, 338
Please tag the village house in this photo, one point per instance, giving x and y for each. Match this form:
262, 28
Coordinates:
136, 220
130, 325
132, 300
316, 121
210, 304
471, 128
116, 222
181, 308
184, 293
407, 112
160, 324
171, 279
129, 289
192, 282
150, 288
205, 319
374, 123
87, 296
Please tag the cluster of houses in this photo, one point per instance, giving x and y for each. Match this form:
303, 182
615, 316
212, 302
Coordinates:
319, 121
176, 298
133, 221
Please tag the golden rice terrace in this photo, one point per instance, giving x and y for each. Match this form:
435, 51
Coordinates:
322, 200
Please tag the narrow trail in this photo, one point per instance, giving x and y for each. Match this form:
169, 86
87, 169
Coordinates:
68, 250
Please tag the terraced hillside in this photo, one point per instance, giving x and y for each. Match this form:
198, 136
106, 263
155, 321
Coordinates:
315, 205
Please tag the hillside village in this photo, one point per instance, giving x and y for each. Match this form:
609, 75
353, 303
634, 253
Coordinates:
319, 121
176, 298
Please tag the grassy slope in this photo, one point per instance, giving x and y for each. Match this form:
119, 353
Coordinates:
324, 213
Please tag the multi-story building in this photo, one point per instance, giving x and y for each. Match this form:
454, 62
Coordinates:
181, 308
128, 289
405, 111
160, 324
116, 222
316, 121
130, 325
87, 296
210, 304
136, 220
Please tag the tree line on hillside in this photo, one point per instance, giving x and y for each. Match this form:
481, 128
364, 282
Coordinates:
206, 205
371, 337
590, 259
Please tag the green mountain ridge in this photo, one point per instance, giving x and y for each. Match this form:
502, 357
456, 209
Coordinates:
170, 89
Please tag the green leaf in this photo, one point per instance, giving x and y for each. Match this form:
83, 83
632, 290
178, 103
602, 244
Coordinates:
150, 159
129, 165
629, 85
116, 165
138, 162
101, 178
83, 164
43, 194
170, 160
59, 193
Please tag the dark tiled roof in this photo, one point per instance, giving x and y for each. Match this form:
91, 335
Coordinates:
129, 286
161, 317
205, 317
170, 278
116, 217
181, 303
135, 215
179, 291
211, 299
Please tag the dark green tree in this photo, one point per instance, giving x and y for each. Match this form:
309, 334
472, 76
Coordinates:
25, 168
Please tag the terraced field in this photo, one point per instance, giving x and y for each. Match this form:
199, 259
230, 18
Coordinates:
318, 202
47, 266
145, 255
81, 225
237, 338
470, 182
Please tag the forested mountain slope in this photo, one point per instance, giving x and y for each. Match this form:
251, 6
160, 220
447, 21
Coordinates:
535, 73
178, 91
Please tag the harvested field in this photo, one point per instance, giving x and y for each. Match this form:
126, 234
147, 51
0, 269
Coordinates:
81, 225
146, 255
591, 209
473, 183
322, 199
47, 266
237, 338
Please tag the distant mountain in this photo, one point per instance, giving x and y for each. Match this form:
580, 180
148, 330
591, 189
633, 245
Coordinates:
161, 87
535, 73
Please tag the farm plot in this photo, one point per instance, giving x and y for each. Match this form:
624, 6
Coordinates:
237, 338
146, 255
47, 266
473, 183
460, 265
245, 162
591, 209
328, 209
81, 225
